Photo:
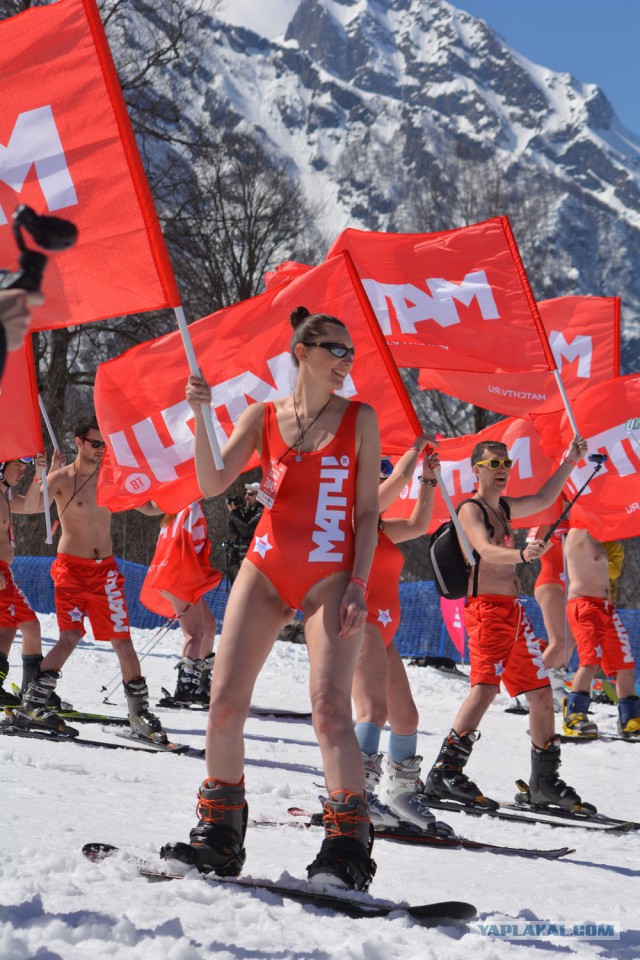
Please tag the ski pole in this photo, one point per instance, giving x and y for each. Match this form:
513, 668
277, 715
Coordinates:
598, 459
155, 639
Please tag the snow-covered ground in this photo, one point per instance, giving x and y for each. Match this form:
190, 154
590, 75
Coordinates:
55, 905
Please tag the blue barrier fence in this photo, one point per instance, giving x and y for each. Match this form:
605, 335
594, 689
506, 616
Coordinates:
422, 631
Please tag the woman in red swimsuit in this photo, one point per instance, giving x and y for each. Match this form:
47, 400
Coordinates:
320, 456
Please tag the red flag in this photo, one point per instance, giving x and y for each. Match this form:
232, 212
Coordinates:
610, 505
584, 335
243, 352
67, 149
453, 616
458, 300
21, 434
180, 564
531, 468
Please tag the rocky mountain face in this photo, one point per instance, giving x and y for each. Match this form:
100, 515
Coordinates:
381, 107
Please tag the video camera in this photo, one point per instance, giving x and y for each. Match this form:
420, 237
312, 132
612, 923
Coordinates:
50, 233
236, 501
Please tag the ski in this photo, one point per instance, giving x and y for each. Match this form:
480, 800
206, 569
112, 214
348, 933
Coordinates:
602, 738
453, 842
520, 813
170, 703
452, 912
79, 716
134, 739
10, 730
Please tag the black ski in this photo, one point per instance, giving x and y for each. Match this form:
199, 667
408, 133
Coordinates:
167, 747
169, 702
451, 912
601, 738
10, 730
520, 813
67, 712
452, 842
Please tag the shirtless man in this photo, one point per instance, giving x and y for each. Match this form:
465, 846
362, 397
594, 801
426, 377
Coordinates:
600, 636
502, 644
15, 612
87, 582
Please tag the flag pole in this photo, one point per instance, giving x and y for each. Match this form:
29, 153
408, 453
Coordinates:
565, 400
195, 372
43, 471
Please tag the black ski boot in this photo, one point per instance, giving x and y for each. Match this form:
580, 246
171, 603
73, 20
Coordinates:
30, 670
216, 844
446, 781
202, 692
33, 712
344, 859
144, 724
546, 789
189, 673
7, 699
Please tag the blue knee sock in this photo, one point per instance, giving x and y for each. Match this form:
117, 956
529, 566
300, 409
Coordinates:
402, 748
368, 735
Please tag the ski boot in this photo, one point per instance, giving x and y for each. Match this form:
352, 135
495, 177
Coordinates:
345, 859
7, 699
576, 723
401, 792
557, 677
546, 789
189, 672
144, 724
446, 781
629, 718
30, 669
33, 713
202, 692
216, 844
381, 816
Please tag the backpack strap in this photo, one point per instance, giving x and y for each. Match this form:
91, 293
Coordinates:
490, 528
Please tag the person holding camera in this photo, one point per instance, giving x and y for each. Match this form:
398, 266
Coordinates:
15, 318
244, 516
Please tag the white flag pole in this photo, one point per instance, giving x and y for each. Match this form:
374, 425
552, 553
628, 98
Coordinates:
195, 372
466, 546
43, 471
565, 400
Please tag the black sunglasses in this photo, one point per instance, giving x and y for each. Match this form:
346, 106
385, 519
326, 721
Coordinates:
336, 349
96, 444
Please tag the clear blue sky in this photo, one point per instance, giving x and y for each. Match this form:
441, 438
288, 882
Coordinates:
598, 41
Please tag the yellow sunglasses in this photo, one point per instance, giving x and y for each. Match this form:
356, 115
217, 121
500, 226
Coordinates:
494, 463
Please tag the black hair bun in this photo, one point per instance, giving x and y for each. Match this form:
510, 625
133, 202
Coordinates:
298, 316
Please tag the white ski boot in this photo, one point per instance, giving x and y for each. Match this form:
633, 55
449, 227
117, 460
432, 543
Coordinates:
401, 791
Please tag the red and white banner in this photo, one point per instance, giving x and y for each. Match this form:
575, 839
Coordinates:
243, 352
20, 430
67, 149
531, 468
180, 563
458, 300
610, 505
453, 616
584, 336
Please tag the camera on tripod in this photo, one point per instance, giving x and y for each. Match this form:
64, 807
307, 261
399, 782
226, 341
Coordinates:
50, 233
236, 501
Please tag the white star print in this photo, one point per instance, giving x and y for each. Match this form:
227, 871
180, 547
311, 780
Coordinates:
384, 618
262, 545
75, 615
499, 668
599, 652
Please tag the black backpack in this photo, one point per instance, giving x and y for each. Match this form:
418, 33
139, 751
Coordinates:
449, 563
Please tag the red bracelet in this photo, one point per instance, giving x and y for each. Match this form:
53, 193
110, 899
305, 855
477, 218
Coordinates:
572, 462
359, 581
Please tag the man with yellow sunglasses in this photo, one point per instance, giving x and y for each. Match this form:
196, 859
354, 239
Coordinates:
502, 645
